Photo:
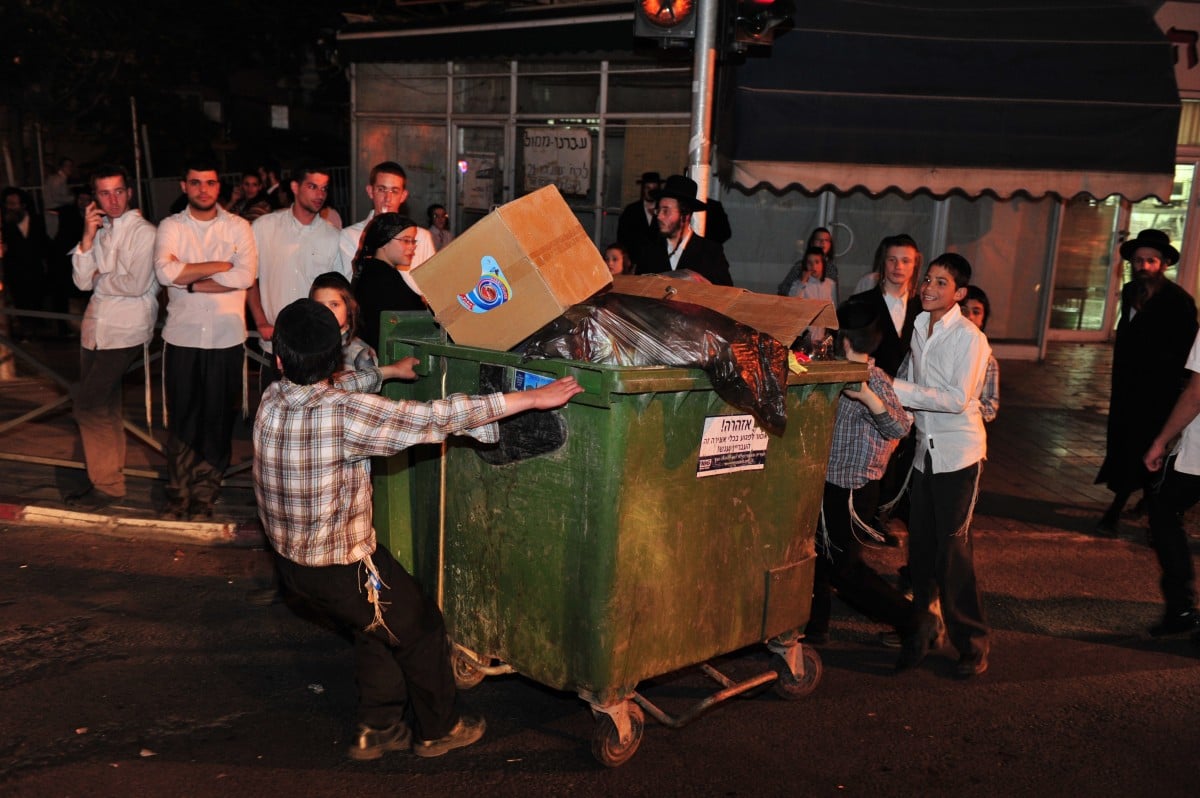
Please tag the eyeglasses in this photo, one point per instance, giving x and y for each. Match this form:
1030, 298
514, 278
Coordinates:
406, 240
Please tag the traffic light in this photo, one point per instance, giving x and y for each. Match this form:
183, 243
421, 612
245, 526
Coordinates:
757, 21
672, 22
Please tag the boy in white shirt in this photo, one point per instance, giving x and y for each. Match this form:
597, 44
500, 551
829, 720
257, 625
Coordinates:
941, 382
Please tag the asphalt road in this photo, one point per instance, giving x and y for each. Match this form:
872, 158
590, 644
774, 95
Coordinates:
137, 668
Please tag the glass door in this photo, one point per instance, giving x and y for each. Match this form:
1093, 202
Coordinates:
1087, 269
479, 158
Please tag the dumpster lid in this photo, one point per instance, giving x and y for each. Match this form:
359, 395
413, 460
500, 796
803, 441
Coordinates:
781, 317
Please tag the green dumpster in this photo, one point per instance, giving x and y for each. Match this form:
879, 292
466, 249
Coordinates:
638, 530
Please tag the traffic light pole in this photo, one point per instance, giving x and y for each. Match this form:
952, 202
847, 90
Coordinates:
703, 75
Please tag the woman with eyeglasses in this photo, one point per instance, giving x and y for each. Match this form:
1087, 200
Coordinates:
382, 263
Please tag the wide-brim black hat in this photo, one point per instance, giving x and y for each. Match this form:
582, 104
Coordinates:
651, 177
682, 190
1154, 239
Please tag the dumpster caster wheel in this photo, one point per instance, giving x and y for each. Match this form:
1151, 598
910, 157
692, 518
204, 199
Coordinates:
606, 740
792, 687
466, 673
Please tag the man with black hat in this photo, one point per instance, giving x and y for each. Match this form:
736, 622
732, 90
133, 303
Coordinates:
1156, 328
679, 247
313, 442
637, 224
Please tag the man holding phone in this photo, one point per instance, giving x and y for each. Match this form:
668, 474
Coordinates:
115, 261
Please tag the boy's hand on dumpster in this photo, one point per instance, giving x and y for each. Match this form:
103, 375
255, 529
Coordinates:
556, 394
402, 369
548, 397
863, 393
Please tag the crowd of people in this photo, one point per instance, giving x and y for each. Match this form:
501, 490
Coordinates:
908, 443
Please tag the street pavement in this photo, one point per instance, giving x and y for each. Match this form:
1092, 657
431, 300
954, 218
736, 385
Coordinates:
131, 662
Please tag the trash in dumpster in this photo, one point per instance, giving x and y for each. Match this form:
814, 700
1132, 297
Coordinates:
748, 369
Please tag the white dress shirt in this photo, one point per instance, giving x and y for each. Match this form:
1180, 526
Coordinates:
1188, 461
898, 308
352, 238
201, 320
941, 383
119, 271
290, 256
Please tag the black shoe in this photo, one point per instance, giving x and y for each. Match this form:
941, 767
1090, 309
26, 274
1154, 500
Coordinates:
201, 511
373, 743
1106, 527
1176, 623
91, 500
914, 648
176, 510
971, 665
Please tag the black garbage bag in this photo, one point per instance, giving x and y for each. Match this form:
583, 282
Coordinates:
748, 369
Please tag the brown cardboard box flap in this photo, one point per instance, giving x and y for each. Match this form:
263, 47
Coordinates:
781, 317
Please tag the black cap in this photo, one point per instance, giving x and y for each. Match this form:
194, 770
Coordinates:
307, 328
857, 314
651, 177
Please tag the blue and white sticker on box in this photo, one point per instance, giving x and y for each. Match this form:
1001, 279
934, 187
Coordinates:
731, 443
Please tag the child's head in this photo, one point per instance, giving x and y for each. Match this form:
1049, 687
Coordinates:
945, 283
822, 239
333, 291
307, 342
858, 327
389, 237
618, 260
976, 306
815, 261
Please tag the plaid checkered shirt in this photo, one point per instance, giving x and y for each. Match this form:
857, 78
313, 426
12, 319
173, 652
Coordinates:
312, 450
863, 441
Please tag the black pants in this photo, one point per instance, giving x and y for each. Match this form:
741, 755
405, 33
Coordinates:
203, 388
840, 564
941, 555
1177, 494
415, 668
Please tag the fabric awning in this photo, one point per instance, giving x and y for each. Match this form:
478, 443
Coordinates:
996, 97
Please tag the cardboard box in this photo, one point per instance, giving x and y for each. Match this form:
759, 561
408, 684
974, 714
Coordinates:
784, 318
512, 272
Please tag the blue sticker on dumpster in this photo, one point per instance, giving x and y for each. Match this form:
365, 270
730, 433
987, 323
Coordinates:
731, 443
491, 290
527, 380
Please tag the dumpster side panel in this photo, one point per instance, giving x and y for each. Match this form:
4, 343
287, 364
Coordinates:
608, 561
611, 561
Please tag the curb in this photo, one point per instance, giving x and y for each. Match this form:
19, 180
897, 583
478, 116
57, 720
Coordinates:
245, 534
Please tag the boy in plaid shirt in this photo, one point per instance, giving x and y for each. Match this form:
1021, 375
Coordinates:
868, 424
313, 440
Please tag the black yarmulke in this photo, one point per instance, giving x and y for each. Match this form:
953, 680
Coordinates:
307, 328
857, 315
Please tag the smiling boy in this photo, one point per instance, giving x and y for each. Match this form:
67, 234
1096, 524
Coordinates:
941, 383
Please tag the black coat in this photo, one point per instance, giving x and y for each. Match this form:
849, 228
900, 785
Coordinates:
633, 231
704, 257
894, 346
378, 289
1148, 375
